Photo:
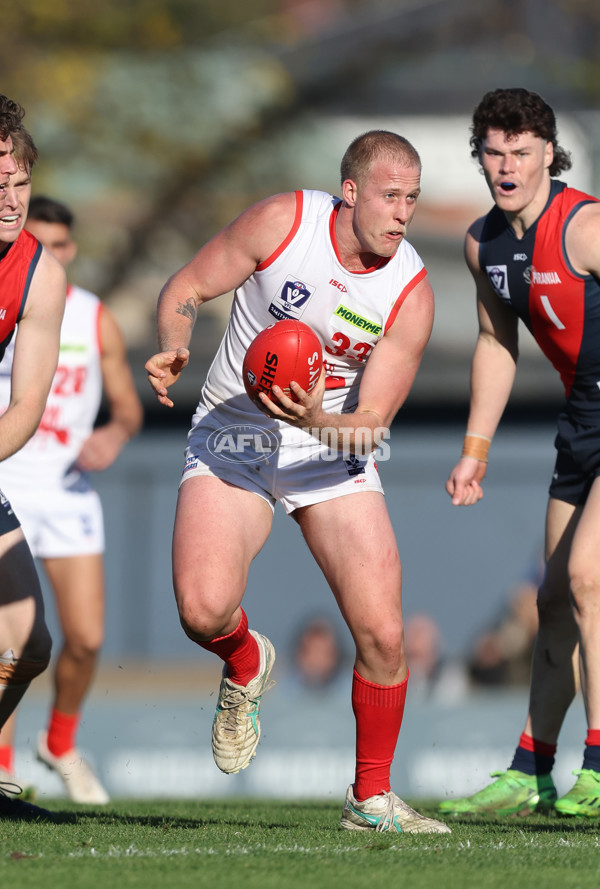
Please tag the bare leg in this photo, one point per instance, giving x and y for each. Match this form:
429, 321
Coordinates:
8, 731
78, 584
355, 547
354, 544
219, 529
553, 676
584, 572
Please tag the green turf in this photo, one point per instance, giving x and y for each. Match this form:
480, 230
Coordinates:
250, 844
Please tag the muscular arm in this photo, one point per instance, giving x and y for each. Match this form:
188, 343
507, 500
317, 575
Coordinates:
492, 376
582, 240
36, 355
386, 382
223, 264
105, 443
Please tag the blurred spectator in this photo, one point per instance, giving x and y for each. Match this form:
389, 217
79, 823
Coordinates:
431, 675
318, 656
502, 654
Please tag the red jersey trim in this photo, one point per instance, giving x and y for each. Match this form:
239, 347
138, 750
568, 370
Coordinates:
398, 304
332, 219
295, 226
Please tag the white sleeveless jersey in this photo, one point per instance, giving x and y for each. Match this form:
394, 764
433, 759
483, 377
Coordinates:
46, 460
305, 280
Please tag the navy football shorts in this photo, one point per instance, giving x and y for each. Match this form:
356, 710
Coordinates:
577, 460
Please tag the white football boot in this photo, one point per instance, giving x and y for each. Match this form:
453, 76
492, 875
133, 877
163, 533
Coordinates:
12, 787
386, 812
77, 775
236, 726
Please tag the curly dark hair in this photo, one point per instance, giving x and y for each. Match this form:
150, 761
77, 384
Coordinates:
515, 111
11, 115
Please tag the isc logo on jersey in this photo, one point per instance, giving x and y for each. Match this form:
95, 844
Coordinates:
498, 277
292, 299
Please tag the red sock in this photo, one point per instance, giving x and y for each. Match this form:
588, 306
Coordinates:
7, 758
239, 650
378, 710
533, 745
62, 729
593, 737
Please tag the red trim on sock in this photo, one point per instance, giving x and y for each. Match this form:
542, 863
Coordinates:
7, 758
378, 710
62, 729
536, 746
593, 737
239, 650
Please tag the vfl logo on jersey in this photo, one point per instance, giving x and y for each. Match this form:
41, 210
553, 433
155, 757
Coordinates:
291, 302
498, 277
534, 277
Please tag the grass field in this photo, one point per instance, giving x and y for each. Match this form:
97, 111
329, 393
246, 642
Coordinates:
255, 844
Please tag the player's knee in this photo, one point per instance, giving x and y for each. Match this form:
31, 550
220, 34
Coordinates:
202, 624
383, 647
84, 649
585, 589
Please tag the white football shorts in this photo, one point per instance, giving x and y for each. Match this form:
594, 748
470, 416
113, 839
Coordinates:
62, 523
297, 472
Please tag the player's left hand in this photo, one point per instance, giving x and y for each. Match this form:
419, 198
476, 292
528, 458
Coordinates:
304, 412
464, 483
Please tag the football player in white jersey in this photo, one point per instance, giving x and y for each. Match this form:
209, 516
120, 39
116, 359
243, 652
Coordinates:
342, 266
48, 484
32, 295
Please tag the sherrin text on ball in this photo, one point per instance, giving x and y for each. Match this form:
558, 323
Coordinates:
285, 351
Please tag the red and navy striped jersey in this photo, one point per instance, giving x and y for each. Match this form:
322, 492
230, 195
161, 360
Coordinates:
561, 308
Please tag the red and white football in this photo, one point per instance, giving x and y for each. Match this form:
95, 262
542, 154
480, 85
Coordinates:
285, 351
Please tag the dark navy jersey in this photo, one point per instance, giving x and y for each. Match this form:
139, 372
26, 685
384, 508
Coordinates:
560, 307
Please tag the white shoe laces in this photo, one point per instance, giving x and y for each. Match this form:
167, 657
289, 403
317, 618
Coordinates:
10, 789
237, 699
387, 819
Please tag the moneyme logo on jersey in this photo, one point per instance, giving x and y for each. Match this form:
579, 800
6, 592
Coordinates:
292, 299
357, 320
498, 277
241, 443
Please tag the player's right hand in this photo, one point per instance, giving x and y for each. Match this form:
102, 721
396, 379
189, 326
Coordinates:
164, 369
463, 485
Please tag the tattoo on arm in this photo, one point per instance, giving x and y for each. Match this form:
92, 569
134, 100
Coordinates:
188, 309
